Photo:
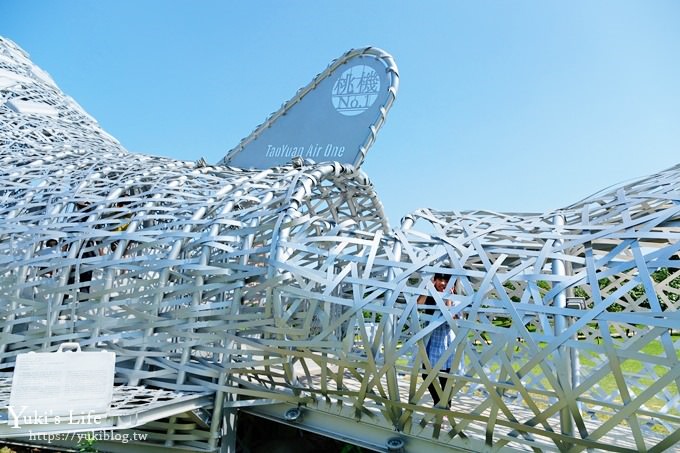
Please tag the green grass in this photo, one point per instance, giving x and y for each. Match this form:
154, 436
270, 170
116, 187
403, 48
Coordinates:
633, 370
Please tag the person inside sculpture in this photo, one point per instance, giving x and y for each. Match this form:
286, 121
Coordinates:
441, 337
78, 275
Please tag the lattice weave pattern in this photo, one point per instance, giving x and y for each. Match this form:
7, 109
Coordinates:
287, 284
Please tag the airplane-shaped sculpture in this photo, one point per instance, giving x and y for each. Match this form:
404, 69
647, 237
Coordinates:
273, 284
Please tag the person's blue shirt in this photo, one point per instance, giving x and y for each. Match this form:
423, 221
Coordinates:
439, 342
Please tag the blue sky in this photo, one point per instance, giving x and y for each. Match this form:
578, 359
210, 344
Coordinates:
506, 106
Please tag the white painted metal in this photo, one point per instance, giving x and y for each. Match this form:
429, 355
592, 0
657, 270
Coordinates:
286, 286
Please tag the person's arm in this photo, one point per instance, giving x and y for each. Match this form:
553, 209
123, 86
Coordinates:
421, 299
449, 302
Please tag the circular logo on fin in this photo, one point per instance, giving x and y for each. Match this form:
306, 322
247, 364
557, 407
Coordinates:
355, 90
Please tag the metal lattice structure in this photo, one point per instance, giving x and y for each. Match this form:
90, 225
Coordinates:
285, 289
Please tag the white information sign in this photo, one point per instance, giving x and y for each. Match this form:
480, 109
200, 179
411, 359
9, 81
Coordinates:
71, 385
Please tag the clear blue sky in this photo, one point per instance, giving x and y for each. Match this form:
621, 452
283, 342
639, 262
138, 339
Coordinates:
505, 105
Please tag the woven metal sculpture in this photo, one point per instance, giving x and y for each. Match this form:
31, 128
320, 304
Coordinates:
285, 288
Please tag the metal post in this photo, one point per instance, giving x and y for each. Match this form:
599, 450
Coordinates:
220, 417
575, 303
578, 303
563, 357
389, 335
228, 438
